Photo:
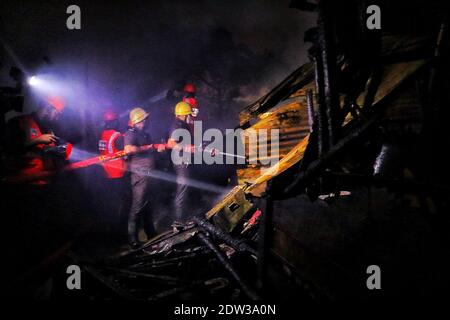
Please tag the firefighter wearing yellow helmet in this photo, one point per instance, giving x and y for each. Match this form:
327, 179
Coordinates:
140, 165
137, 115
183, 109
180, 125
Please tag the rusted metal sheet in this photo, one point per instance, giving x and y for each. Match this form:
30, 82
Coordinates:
237, 195
290, 118
296, 80
294, 156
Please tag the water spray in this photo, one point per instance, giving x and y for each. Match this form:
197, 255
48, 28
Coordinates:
104, 159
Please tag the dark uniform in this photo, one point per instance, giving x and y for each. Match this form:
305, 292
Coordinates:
140, 166
182, 172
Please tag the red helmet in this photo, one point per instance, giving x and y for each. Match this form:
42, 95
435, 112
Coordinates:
189, 88
192, 102
56, 102
110, 116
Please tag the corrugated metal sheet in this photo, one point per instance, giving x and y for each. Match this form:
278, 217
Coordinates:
290, 118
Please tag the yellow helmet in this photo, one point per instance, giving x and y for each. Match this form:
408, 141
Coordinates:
137, 115
183, 109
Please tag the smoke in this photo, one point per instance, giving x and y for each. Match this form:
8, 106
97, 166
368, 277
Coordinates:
128, 50
130, 53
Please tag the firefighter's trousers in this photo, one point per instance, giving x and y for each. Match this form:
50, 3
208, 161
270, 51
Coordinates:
140, 206
182, 192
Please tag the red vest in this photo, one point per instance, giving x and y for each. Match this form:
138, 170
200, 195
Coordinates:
32, 162
107, 145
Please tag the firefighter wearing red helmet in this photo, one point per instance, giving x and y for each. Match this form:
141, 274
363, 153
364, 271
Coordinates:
111, 141
189, 90
193, 102
33, 155
32, 145
189, 96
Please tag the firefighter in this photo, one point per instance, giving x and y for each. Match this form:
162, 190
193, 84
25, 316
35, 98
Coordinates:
193, 102
31, 143
140, 165
189, 90
189, 96
111, 141
33, 153
183, 116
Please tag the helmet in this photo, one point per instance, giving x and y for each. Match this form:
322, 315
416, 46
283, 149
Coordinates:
110, 116
183, 109
189, 88
56, 102
192, 102
194, 105
138, 115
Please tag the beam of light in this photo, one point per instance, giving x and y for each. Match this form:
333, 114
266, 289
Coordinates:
47, 84
79, 155
160, 175
146, 102
158, 97
13, 56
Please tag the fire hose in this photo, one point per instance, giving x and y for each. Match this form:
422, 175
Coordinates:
106, 158
122, 154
